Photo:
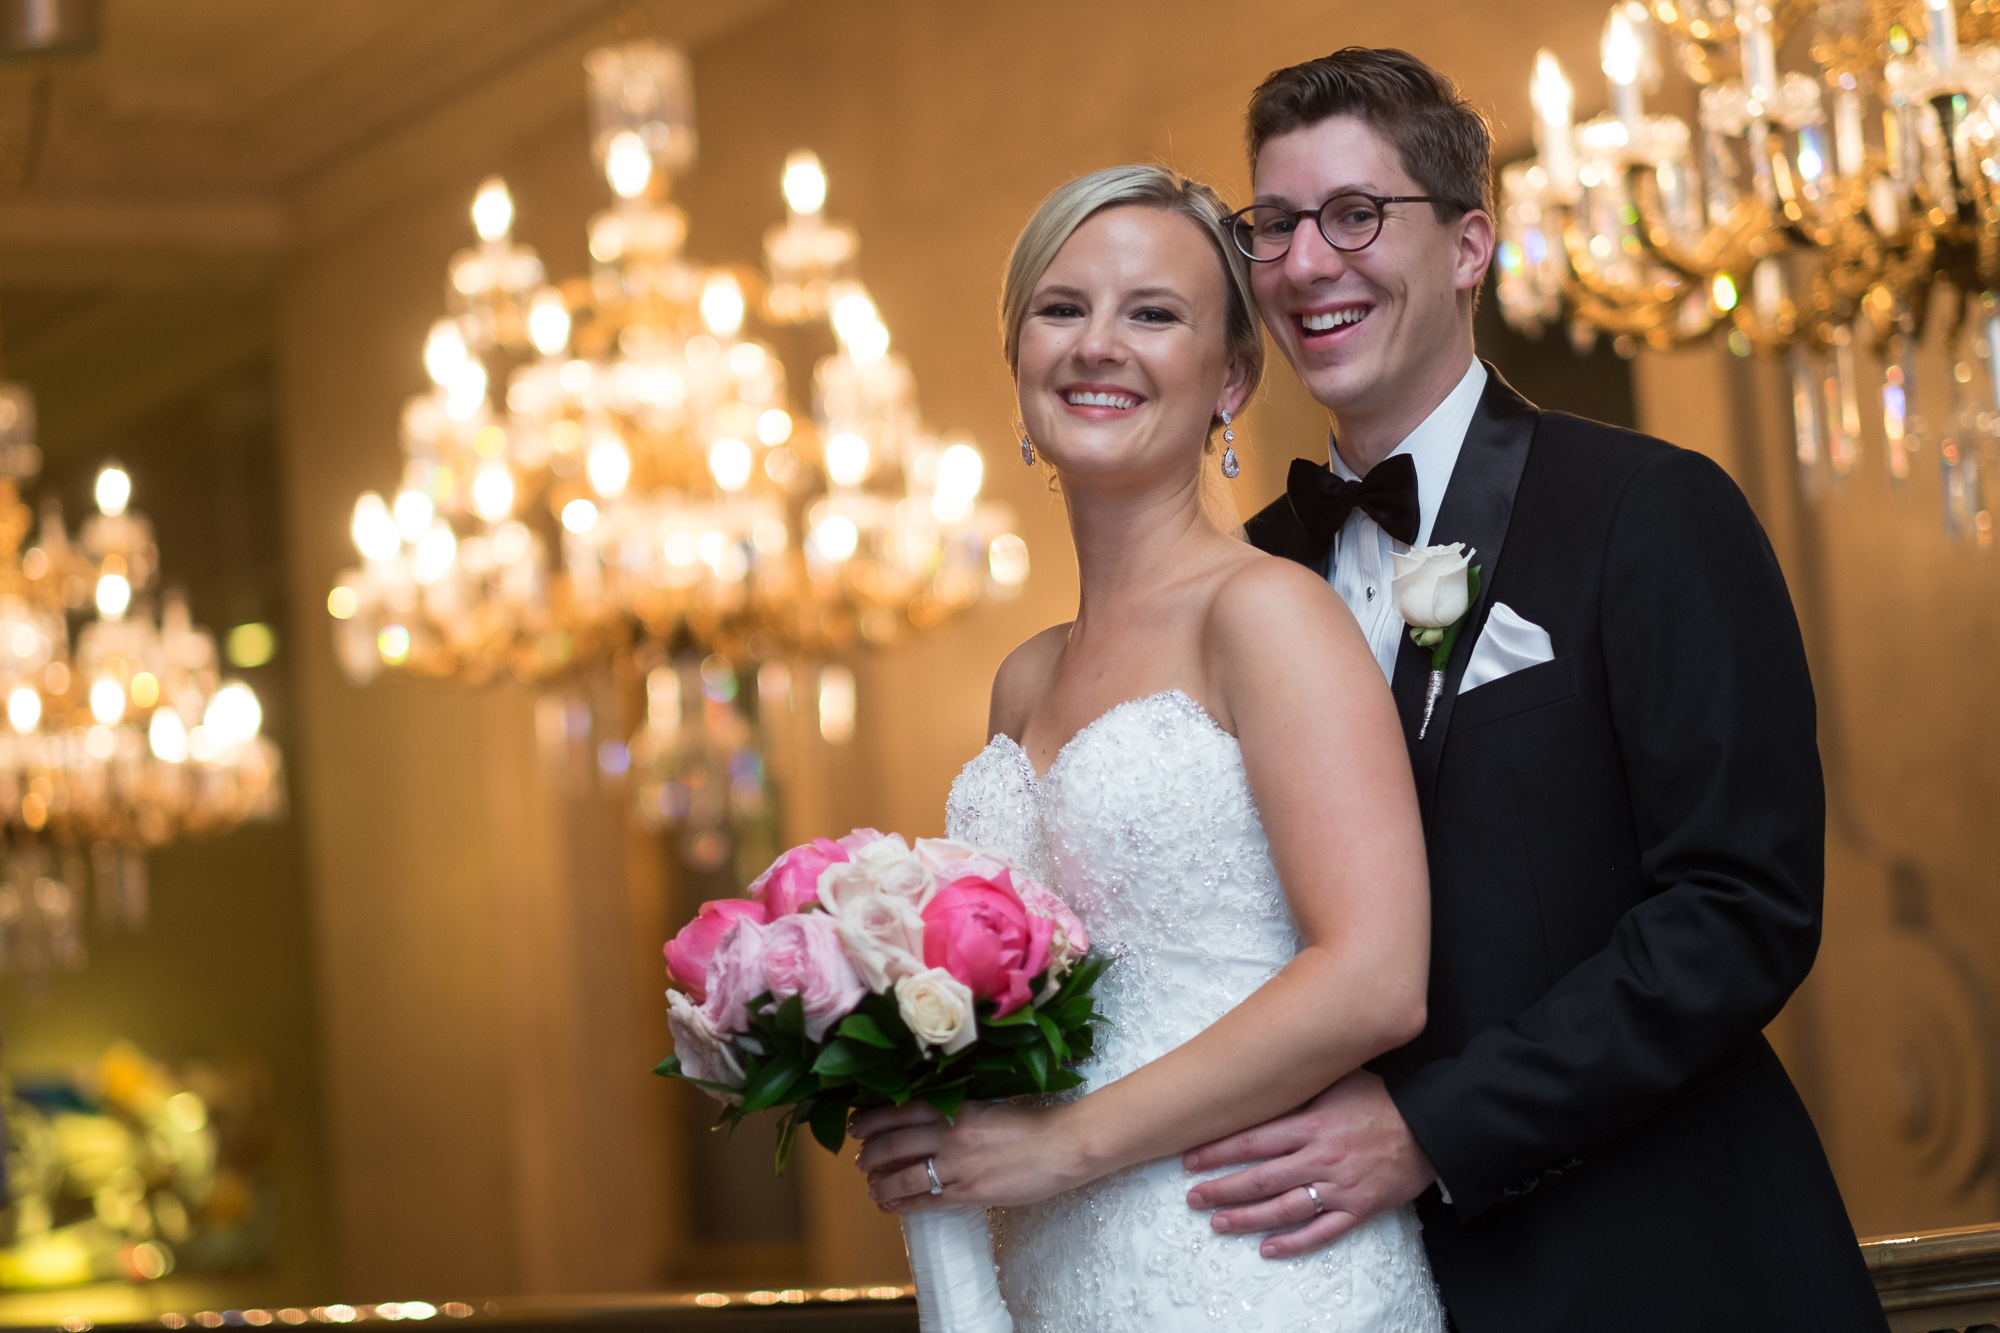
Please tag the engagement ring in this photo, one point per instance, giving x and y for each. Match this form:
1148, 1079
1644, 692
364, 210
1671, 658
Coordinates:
937, 1186
1319, 1206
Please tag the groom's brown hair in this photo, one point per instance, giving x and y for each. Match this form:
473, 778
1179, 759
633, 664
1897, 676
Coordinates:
1442, 139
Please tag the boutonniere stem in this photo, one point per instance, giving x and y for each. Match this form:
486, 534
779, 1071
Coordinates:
1435, 587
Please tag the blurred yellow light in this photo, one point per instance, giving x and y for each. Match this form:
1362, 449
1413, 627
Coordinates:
248, 645
804, 183
837, 537
722, 305
107, 701
493, 492
168, 736
114, 490
836, 704
847, 459
729, 462
628, 166
342, 603
1007, 560
24, 709
374, 531
114, 595
393, 643
608, 465
145, 687
548, 322
579, 516
444, 350
234, 715
774, 426
493, 210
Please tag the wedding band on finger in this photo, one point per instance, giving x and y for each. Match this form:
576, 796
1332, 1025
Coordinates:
937, 1186
1312, 1192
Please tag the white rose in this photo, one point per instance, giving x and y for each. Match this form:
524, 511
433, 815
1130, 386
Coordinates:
704, 1052
1431, 585
886, 867
896, 870
948, 860
883, 936
938, 1008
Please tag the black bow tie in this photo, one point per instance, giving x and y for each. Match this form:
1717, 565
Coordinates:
1323, 501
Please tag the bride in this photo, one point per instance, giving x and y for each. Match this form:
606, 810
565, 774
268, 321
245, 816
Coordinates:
1207, 765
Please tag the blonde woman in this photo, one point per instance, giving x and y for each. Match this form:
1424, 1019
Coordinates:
1206, 763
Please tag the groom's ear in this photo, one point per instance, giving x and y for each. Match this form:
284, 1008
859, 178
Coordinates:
1474, 255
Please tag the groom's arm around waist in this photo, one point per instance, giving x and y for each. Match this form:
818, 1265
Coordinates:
1711, 713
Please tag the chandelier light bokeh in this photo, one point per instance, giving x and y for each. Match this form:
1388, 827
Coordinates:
119, 737
1802, 214
616, 460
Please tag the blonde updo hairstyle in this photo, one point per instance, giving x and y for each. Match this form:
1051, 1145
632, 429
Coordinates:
1075, 202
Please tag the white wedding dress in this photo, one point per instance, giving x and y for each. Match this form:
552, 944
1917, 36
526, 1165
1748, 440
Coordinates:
1145, 825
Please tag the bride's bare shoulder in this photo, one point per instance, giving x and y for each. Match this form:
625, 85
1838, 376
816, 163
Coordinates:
1024, 678
1268, 608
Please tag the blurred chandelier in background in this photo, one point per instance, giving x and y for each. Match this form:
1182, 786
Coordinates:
1801, 214
646, 474
118, 740
646, 489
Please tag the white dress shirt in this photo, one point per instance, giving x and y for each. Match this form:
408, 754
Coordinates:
1361, 567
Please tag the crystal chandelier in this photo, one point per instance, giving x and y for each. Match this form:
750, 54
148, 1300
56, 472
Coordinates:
1800, 215
644, 477
121, 738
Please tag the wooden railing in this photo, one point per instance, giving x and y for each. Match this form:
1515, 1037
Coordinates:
1938, 1280
1929, 1282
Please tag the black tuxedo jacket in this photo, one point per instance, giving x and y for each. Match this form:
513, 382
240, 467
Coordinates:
1626, 862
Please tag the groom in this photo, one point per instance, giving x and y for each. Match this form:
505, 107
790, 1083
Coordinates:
1619, 778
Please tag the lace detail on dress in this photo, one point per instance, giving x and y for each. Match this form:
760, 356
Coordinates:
1146, 826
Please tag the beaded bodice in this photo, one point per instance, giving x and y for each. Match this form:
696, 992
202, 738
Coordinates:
1146, 825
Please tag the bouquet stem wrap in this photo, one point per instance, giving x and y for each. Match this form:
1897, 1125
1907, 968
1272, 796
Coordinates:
951, 1257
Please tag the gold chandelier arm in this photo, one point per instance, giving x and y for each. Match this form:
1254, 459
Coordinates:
1747, 234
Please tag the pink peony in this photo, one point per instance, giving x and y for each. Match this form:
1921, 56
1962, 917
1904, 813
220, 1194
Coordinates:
688, 952
705, 1053
1071, 941
978, 929
792, 883
736, 976
803, 957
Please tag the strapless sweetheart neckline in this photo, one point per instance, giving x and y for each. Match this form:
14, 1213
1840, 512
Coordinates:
1173, 692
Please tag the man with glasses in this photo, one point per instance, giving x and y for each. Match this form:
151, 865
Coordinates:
1618, 772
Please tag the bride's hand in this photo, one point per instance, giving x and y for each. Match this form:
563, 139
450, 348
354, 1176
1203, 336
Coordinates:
995, 1155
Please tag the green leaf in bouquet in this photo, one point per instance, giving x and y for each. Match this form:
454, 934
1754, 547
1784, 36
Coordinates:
862, 1028
947, 1100
1058, 1049
828, 1119
1062, 1080
1014, 1034
1036, 1058
891, 1083
669, 1067
842, 1058
788, 1133
767, 1087
791, 1019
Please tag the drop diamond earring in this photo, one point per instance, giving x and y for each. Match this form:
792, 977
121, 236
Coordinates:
1230, 467
1027, 449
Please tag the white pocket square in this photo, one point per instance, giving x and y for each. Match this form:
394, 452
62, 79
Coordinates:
1507, 644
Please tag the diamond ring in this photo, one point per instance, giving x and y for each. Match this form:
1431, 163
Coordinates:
1319, 1204
937, 1186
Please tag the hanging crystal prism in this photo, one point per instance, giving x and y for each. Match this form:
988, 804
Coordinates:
1805, 416
1843, 406
1897, 392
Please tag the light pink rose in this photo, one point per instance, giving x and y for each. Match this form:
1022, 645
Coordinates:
883, 865
792, 882
704, 1053
883, 936
1070, 941
977, 929
948, 860
861, 837
688, 952
803, 957
736, 976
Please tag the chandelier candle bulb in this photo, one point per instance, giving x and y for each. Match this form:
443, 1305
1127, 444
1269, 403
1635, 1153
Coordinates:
493, 210
1849, 148
1990, 309
1759, 54
1554, 139
1623, 54
804, 184
113, 491
1942, 37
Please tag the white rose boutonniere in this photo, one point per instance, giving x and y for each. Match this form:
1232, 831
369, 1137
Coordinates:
1435, 587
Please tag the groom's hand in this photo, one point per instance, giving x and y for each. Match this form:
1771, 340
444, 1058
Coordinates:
1349, 1143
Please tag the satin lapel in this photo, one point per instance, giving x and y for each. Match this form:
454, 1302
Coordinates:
1477, 506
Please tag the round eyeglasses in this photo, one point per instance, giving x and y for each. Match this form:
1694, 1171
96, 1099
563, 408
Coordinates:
1349, 222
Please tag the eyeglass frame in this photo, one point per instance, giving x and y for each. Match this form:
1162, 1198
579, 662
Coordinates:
1381, 202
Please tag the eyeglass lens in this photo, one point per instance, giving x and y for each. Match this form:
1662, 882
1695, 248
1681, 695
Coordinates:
1348, 222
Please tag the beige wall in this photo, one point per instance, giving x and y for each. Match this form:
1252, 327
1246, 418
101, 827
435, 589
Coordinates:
486, 979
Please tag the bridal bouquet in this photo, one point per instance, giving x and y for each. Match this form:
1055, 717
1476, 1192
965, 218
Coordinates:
864, 972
